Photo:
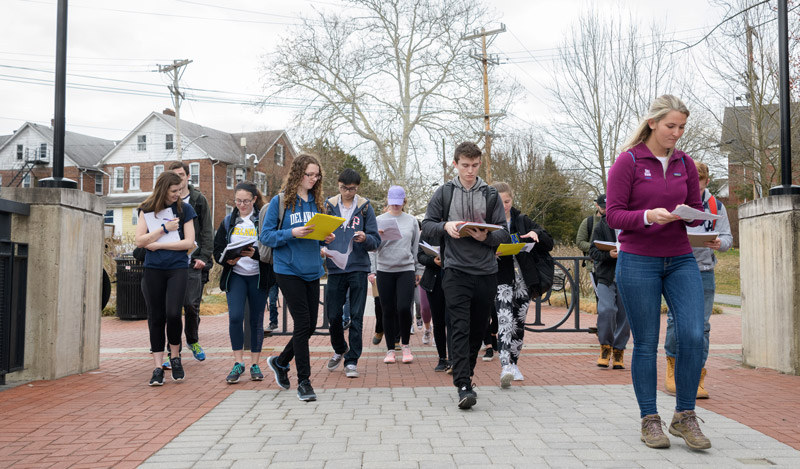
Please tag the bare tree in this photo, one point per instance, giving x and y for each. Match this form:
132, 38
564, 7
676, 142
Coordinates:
393, 73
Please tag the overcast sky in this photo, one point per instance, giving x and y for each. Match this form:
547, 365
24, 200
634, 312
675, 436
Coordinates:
117, 45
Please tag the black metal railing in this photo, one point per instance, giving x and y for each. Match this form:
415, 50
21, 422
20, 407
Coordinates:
13, 288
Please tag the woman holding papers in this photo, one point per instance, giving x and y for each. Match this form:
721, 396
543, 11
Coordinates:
648, 180
166, 230
244, 278
431, 282
298, 265
398, 271
515, 274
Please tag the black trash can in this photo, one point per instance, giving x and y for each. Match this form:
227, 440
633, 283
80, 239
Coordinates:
130, 301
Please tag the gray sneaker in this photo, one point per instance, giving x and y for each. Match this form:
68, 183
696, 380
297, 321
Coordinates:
335, 360
684, 424
652, 434
351, 371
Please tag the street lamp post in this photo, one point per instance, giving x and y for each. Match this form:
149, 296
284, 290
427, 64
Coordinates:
786, 187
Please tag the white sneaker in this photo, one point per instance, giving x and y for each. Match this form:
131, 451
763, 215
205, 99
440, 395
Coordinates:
506, 376
426, 337
517, 374
351, 371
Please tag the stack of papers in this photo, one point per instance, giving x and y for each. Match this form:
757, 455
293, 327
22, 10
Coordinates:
514, 248
688, 213
430, 250
234, 250
154, 222
606, 245
484, 226
698, 240
323, 226
388, 229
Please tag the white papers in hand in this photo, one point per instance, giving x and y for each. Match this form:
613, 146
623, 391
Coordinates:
154, 222
430, 250
389, 228
528, 247
688, 213
483, 226
339, 258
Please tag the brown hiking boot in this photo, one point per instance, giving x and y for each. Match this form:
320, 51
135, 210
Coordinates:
684, 424
669, 379
652, 434
618, 359
605, 356
701, 389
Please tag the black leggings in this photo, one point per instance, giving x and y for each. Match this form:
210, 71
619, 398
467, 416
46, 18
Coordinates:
302, 299
441, 323
165, 291
396, 291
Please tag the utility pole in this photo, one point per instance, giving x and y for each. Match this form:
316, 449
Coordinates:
175, 71
751, 90
485, 59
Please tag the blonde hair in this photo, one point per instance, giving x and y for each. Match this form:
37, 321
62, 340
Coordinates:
503, 187
662, 106
702, 171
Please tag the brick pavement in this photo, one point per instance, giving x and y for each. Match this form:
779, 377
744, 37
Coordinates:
110, 417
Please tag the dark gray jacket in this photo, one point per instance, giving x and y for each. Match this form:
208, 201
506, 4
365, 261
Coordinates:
203, 227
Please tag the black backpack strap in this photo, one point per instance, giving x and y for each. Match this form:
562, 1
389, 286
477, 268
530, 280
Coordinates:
447, 197
590, 225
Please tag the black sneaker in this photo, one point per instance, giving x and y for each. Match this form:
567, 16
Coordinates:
236, 372
255, 373
158, 377
177, 369
281, 374
441, 366
489, 355
273, 326
305, 392
466, 396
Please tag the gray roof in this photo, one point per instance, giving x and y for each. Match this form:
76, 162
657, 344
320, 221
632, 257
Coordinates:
4, 138
737, 130
83, 150
126, 198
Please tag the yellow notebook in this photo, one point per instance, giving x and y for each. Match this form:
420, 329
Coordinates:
510, 249
323, 226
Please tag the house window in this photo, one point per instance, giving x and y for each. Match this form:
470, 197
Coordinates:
98, 184
157, 170
261, 181
108, 219
134, 217
26, 181
134, 185
228, 209
169, 145
194, 174
43, 151
279, 158
229, 177
119, 179
141, 143
20, 152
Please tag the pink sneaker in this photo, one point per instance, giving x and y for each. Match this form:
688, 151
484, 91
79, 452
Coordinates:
389, 358
407, 357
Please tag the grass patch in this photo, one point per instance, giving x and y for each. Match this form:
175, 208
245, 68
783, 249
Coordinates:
726, 272
214, 304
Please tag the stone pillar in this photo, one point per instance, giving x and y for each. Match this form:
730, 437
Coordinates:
65, 236
769, 239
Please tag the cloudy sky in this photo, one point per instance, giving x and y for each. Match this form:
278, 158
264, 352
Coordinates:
114, 48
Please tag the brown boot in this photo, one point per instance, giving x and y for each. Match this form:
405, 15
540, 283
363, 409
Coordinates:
618, 359
701, 389
652, 434
605, 356
669, 379
684, 424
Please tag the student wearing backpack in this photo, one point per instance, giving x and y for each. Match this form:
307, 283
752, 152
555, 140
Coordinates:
584, 236
244, 278
706, 260
297, 263
469, 262
518, 281
361, 229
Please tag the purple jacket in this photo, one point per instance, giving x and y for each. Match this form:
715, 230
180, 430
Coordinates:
636, 184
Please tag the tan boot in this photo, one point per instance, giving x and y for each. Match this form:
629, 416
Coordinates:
605, 356
701, 390
669, 379
684, 424
619, 362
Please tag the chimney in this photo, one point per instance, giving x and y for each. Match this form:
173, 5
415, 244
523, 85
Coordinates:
168, 112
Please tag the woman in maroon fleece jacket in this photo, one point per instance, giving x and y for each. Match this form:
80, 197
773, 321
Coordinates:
648, 180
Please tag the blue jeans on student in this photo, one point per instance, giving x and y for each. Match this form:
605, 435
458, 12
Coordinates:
709, 287
340, 287
641, 281
273, 304
241, 287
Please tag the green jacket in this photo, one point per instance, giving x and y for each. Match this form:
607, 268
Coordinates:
584, 238
203, 227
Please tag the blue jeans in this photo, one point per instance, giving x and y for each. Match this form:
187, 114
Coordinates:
641, 281
709, 287
336, 293
273, 304
242, 287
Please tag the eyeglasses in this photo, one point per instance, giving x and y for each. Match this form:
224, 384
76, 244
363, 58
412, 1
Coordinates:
348, 189
313, 175
244, 202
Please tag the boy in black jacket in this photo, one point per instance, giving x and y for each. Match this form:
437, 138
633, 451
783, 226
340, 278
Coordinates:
613, 330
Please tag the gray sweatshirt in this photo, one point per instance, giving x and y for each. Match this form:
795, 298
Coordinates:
399, 255
706, 260
467, 254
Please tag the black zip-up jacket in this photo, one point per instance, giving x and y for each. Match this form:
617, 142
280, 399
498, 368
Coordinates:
203, 228
433, 272
604, 264
520, 225
266, 277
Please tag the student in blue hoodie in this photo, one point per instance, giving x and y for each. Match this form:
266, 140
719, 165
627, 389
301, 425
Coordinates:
360, 227
298, 265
